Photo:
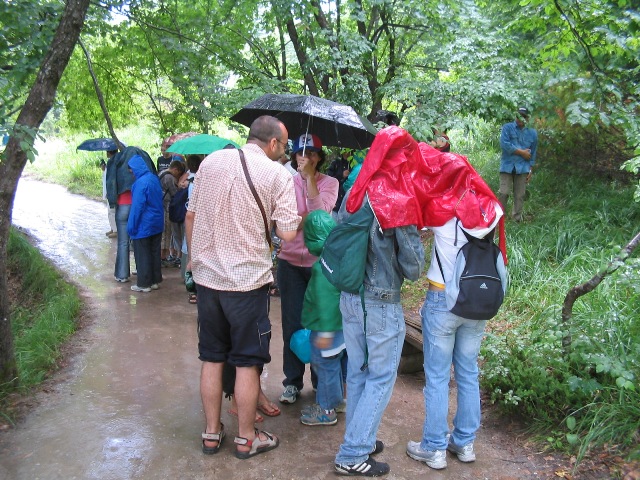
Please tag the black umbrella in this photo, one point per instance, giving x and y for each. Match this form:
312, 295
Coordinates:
96, 144
336, 124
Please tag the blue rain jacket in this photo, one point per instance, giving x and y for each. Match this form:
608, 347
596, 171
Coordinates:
146, 217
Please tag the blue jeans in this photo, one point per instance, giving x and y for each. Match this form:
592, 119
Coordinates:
368, 391
292, 282
122, 269
449, 338
329, 372
147, 254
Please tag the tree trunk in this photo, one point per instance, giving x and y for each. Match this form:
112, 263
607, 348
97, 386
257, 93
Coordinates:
33, 112
309, 80
583, 289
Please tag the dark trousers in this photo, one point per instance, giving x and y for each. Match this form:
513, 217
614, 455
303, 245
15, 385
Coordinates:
229, 379
292, 282
147, 254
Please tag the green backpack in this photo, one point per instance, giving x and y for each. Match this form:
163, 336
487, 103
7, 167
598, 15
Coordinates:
344, 256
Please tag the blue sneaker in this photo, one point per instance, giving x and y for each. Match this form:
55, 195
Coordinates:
319, 416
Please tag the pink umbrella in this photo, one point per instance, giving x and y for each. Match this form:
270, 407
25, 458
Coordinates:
167, 142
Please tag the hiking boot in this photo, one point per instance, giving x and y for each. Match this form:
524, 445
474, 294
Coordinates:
136, 288
436, 459
465, 454
342, 408
290, 394
319, 416
368, 468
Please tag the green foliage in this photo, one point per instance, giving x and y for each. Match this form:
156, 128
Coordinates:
26, 31
633, 165
43, 314
579, 225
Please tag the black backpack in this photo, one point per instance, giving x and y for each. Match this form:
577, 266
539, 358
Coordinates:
479, 282
178, 205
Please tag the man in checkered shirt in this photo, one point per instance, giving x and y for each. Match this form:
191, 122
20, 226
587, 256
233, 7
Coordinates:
231, 264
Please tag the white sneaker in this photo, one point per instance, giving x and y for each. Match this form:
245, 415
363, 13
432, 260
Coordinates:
155, 286
290, 394
136, 288
121, 280
465, 454
342, 408
436, 459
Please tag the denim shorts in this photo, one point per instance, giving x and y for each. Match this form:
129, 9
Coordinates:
234, 327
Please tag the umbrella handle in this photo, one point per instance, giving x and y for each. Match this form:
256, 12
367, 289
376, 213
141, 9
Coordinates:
304, 148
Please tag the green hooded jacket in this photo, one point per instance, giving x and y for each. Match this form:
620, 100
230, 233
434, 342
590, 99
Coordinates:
321, 306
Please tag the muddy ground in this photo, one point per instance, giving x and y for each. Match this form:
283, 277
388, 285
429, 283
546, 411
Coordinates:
126, 404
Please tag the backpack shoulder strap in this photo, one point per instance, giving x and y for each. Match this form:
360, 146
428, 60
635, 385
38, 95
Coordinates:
435, 249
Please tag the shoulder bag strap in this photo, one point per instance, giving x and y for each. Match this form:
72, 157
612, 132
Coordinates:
255, 195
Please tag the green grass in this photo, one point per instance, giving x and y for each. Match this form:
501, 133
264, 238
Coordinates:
59, 162
44, 311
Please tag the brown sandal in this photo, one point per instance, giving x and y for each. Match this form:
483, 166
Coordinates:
257, 444
213, 437
269, 409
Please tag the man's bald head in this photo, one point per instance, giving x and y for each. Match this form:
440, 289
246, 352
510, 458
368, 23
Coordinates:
264, 128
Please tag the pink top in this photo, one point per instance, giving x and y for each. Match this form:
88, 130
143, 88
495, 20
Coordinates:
294, 251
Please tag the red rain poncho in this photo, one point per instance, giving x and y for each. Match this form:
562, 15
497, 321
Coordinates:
428, 187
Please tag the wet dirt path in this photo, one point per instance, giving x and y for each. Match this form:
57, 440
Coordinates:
128, 405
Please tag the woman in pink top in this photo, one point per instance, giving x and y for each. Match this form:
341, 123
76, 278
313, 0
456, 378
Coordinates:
314, 191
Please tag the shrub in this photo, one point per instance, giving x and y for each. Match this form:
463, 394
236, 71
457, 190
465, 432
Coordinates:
589, 395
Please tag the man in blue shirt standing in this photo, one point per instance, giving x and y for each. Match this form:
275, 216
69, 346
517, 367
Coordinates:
519, 144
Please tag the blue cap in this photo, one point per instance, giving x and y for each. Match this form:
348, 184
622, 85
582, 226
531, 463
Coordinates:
307, 141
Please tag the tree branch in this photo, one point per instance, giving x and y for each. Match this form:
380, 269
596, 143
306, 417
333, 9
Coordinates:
583, 289
100, 96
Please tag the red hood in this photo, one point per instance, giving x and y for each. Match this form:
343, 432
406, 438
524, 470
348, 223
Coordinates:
428, 187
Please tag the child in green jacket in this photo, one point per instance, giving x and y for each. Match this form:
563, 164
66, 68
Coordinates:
321, 314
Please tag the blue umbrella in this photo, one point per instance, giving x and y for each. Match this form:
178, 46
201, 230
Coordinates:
96, 144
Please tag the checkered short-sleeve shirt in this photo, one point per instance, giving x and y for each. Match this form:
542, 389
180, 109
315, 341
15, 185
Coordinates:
229, 250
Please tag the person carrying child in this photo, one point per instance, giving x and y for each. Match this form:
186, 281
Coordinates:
321, 314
